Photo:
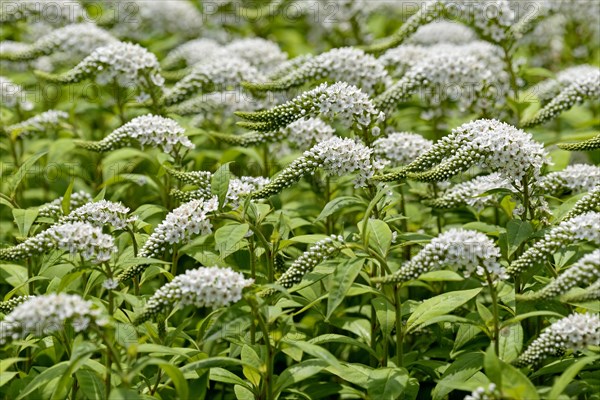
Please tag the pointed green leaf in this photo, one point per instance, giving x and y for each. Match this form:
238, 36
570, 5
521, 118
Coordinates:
342, 279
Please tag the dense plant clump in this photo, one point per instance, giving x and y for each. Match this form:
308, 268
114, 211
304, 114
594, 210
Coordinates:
293, 199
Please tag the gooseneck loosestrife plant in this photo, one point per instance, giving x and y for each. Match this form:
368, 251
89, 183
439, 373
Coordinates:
381, 200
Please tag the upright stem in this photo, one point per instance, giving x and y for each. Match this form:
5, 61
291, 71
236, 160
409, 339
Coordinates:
253, 275
496, 335
399, 327
513, 80
268, 381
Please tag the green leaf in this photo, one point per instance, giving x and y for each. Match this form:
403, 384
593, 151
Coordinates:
385, 313
511, 342
379, 236
254, 365
492, 366
315, 351
438, 306
243, 393
66, 201
387, 383
24, 220
567, 377
181, 385
338, 204
219, 183
228, 238
521, 317
441, 275
23, 170
342, 279
47, 378
517, 233
90, 384
298, 372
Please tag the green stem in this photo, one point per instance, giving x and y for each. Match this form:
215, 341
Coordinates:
268, 381
253, 275
496, 335
399, 327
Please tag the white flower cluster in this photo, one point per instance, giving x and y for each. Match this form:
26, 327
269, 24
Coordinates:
346, 64
584, 227
400, 148
38, 123
307, 132
400, 59
586, 87
54, 208
442, 32
260, 53
482, 393
193, 52
313, 256
13, 95
591, 293
145, 18
210, 287
74, 237
44, 315
467, 251
73, 41
216, 75
147, 130
469, 80
126, 64
340, 99
589, 202
101, 213
549, 88
574, 332
242, 187
180, 225
575, 178
470, 192
343, 156
493, 144
584, 272
337, 156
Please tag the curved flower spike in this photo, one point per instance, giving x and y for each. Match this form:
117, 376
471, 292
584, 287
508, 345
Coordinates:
443, 72
193, 52
198, 178
346, 64
74, 237
468, 251
208, 77
591, 293
443, 32
210, 287
313, 256
575, 178
575, 332
38, 124
586, 145
339, 99
550, 88
123, 63
75, 40
584, 272
179, 226
491, 25
584, 227
44, 315
261, 53
100, 213
470, 193
152, 130
54, 209
587, 87
337, 156
9, 305
499, 146
589, 202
